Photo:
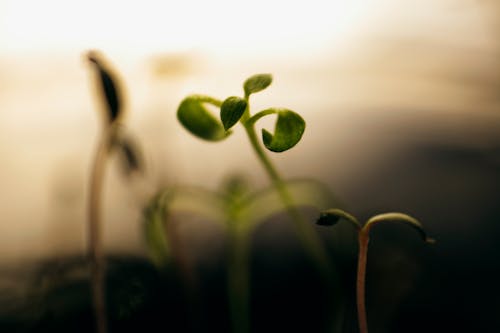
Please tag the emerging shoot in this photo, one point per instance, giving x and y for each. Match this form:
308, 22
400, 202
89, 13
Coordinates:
113, 136
332, 216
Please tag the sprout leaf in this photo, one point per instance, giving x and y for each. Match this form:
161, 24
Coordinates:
231, 111
257, 83
287, 132
196, 118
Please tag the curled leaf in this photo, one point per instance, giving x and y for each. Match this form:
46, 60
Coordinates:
399, 217
259, 206
109, 86
231, 111
196, 118
256, 83
287, 132
332, 216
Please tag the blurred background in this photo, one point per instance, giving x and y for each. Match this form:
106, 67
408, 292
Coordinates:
401, 100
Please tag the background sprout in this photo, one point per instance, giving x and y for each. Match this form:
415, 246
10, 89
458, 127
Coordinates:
240, 210
111, 94
113, 137
332, 216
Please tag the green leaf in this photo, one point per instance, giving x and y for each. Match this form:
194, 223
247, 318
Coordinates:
287, 132
196, 118
257, 83
231, 111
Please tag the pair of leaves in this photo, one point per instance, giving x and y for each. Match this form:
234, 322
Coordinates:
197, 119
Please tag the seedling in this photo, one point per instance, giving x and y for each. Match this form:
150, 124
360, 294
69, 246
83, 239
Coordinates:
239, 210
194, 115
113, 137
332, 216
289, 127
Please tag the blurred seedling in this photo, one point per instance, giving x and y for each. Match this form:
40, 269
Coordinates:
332, 216
239, 210
113, 137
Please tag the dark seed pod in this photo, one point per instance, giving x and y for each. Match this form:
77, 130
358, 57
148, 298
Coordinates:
132, 161
109, 86
129, 152
327, 219
332, 216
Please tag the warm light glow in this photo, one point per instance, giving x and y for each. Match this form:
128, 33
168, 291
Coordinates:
149, 25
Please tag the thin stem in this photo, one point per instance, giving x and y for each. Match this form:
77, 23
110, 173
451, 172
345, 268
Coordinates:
97, 264
363, 239
238, 281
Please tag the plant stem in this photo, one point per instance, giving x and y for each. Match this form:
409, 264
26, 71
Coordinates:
363, 239
305, 231
97, 264
238, 280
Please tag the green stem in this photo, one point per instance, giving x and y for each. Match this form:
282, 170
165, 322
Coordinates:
238, 281
97, 264
304, 230
363, 240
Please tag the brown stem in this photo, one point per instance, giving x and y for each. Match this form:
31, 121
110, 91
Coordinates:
97, 265
363, 240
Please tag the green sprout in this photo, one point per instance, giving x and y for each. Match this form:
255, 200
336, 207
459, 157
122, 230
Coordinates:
333, 216
113, 137
194, 115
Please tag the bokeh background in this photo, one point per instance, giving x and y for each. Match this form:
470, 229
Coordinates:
401, 100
